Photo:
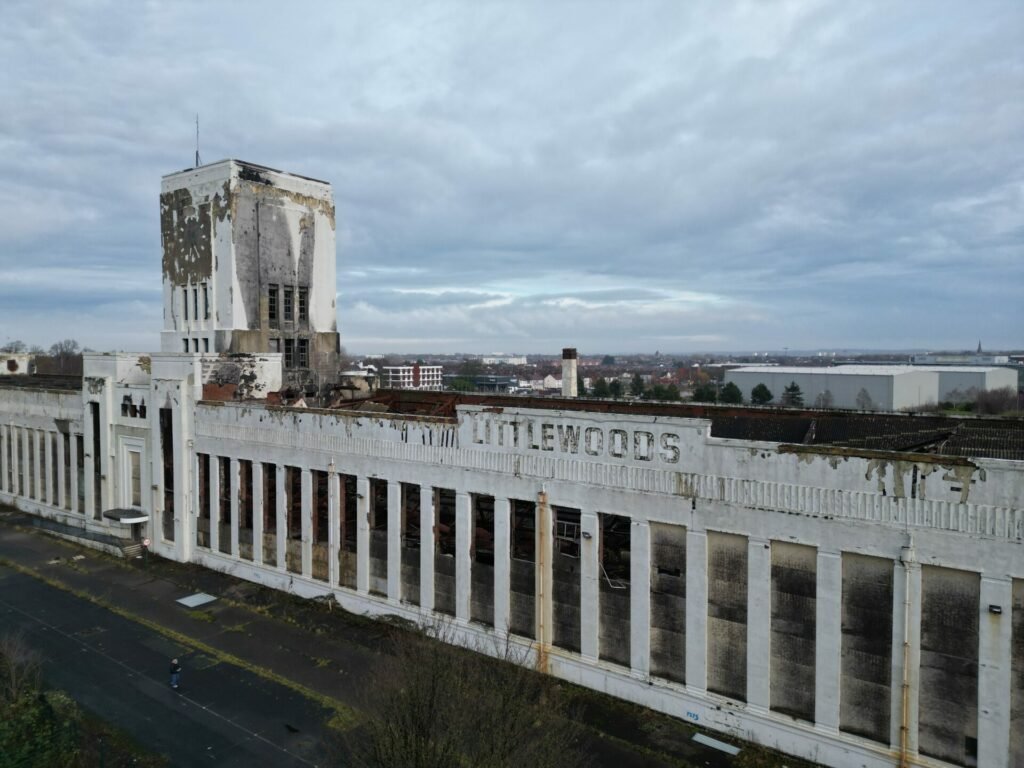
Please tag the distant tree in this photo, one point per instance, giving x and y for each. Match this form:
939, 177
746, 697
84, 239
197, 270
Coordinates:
471, 367
705, 393
601, 388
462, 384
657, 392
581, 387
15, 347
607, 360
864, 401
824, 400
66, 357
792, 396
672, 392
35, 349
616, 389
996, 401
761, 395
636, 386
731, 394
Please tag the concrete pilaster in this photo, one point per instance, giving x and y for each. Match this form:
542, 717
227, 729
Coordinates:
235, 493
4, 447
89, 471
502, 563
427, 546
640, 598
214, 501
696, 610
15, 461
46, 443
994, 672
394, 541
759, 623
257, 513
463, 559
281, 523
333, 525
828, 643
590, 575
194, 513
17, 457
62, 499
26, 463
73, 469
38, 464
306, 513
906, 626
363, 534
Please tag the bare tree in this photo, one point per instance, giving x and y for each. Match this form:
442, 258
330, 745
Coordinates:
431, 704
14, 347
20, 668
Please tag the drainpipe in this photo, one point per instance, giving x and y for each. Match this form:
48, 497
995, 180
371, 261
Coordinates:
908, 557
545, 531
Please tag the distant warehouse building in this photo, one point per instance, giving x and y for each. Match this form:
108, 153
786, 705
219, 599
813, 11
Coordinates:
964, 378
866, 387
872, 387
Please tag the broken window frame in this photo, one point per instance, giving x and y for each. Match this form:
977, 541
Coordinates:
272, 307
302, 353
289, 353
289, 304
303, 305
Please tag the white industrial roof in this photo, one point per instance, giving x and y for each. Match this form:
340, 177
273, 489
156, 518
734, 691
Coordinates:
863, 370
848, 370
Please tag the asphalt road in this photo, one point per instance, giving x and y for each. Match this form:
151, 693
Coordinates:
221, 715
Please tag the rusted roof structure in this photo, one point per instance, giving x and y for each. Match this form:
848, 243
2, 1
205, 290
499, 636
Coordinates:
988, 437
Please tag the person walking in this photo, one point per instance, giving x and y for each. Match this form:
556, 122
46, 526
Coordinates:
175, 673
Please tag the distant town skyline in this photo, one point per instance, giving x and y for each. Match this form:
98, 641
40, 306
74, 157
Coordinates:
624, 178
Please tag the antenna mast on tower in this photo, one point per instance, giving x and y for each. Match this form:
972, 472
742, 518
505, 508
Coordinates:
197, 139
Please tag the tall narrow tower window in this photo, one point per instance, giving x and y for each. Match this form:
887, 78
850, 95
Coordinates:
303, 361
206, 300
303, 305
195, 303
272, 315
289, 353
289, 304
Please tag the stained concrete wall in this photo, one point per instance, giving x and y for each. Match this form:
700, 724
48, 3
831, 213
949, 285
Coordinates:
866, 666
668, 601
794, 591
231, 229
1017, 675
727, 615
962, 514
948, 720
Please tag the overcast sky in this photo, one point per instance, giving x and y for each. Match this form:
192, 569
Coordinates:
517, 176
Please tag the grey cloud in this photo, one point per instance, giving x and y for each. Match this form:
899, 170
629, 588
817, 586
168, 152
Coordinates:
834, 174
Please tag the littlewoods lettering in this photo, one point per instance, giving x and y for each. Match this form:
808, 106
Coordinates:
574, 439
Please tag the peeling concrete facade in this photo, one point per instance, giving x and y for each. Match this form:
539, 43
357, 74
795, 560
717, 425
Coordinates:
249, 267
